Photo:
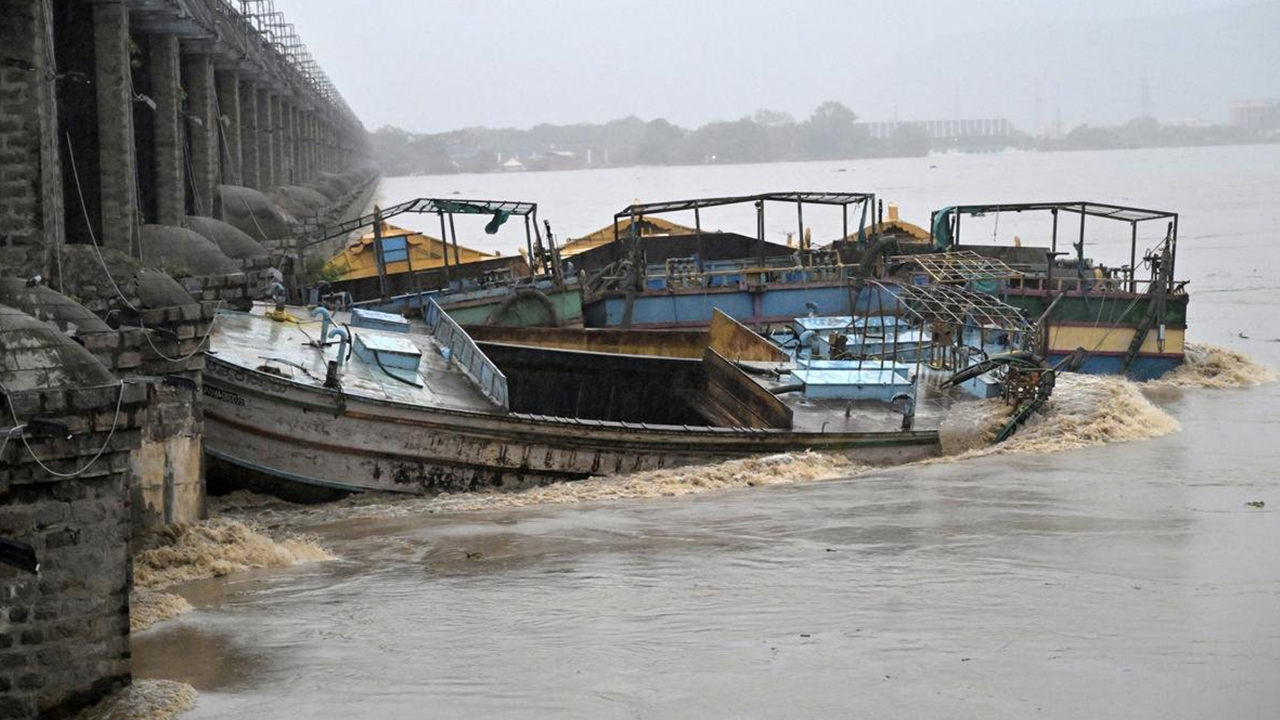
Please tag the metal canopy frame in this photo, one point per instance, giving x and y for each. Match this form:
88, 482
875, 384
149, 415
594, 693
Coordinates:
961, 266
1096, 209
1084, 208
811, 198
950, 304
424, 206
843, 200
445, 208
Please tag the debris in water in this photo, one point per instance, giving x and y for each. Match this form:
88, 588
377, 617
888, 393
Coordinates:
1256, 503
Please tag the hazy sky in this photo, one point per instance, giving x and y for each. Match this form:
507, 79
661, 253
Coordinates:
445, 64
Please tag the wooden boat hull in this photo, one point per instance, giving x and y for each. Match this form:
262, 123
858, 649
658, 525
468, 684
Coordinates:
297, 434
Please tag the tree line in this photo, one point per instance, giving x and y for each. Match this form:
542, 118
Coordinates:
831, 132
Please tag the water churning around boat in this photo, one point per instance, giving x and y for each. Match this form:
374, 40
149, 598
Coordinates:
144, 700
212, 548
1211, 366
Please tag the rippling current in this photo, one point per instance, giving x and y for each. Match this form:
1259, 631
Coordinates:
1125, 579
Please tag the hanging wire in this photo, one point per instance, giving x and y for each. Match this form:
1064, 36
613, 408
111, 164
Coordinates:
98, 252
20, 426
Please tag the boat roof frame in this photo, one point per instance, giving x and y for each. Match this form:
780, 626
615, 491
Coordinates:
1083, 208
426, 206
1125, 213
956, 305
959, 266
843, 199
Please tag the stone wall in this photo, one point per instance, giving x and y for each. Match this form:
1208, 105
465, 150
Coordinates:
30, 180
64, 633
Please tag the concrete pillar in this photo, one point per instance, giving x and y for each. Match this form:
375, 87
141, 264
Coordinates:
324, 147
321, 127
228, 82
278, 141
166, 91
308, 147
300, 175
266, 141
249, 135
290, 116
204, 141
318, 146
31, 209
116, 155
315, 146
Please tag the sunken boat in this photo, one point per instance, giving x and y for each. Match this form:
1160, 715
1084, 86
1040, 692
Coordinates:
302, 404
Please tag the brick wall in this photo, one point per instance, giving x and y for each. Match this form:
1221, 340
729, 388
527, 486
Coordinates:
30, 181
64, 634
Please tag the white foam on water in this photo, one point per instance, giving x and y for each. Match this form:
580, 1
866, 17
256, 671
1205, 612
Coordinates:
777, 469
144, 700
1211, 366
1084, 410
148, 607
211, 548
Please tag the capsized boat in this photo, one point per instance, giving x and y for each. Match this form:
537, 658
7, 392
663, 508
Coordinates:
362, 401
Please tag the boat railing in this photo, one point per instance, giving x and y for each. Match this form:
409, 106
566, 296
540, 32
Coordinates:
1123, 283
469, 357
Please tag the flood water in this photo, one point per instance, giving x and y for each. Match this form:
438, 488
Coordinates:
1126, 580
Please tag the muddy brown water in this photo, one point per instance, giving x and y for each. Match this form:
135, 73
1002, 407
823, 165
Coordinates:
1122, 580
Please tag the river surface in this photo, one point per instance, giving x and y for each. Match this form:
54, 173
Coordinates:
1126, 580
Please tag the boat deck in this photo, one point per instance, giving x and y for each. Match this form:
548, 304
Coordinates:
285, 349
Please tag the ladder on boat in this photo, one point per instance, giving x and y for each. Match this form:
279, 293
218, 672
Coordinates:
1156, 294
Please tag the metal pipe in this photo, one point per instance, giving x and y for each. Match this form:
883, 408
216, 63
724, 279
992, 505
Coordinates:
528, 243
1053, 246
379, 259
453, 231
760, 235
444, 250
800, 225
325, 323
697, 228
1133, 257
